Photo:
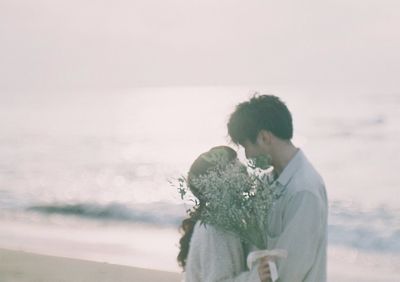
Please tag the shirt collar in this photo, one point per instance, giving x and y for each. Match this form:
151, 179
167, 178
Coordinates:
289, 170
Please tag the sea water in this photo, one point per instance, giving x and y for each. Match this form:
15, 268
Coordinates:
86, 174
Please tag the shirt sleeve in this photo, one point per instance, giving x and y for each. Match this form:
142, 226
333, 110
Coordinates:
303, 222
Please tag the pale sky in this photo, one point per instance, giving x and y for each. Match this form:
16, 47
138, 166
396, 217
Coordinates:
83, 44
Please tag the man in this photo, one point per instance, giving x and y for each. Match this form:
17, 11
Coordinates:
298, 221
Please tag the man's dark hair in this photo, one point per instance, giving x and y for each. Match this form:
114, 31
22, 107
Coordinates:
266, 112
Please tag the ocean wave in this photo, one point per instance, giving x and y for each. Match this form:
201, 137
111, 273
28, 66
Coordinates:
370, 230
160, 214
364, 238
376, 230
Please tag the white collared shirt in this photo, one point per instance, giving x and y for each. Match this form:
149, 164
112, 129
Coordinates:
298, 222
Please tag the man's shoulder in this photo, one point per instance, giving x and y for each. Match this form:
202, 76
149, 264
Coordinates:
308, 179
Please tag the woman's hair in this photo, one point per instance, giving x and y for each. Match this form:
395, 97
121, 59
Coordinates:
204, 163
266, 112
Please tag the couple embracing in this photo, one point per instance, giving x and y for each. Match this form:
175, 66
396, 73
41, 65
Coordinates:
296, 221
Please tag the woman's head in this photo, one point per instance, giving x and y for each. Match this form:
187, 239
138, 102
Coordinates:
215, 157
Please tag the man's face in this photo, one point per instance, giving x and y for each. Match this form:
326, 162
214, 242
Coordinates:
252, 150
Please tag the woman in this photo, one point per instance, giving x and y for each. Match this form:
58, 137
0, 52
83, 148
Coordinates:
208, 254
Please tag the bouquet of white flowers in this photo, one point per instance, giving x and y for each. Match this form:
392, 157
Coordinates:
237, 199
234, 198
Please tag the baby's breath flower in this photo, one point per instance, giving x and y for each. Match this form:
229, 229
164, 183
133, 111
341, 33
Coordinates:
234, 199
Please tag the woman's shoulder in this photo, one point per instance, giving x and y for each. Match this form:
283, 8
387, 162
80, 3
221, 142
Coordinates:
206, 229
203, 230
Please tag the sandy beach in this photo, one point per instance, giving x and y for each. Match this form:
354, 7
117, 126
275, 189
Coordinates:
18, 266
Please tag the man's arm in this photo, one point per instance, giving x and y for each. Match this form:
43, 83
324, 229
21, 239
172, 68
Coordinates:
304, 221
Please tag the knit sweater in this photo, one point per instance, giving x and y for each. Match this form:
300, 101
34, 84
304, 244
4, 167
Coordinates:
215, 255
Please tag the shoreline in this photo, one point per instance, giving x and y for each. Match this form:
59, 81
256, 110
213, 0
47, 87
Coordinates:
24, 266
21, 266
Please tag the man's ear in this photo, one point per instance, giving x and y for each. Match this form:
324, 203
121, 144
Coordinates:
264, 137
